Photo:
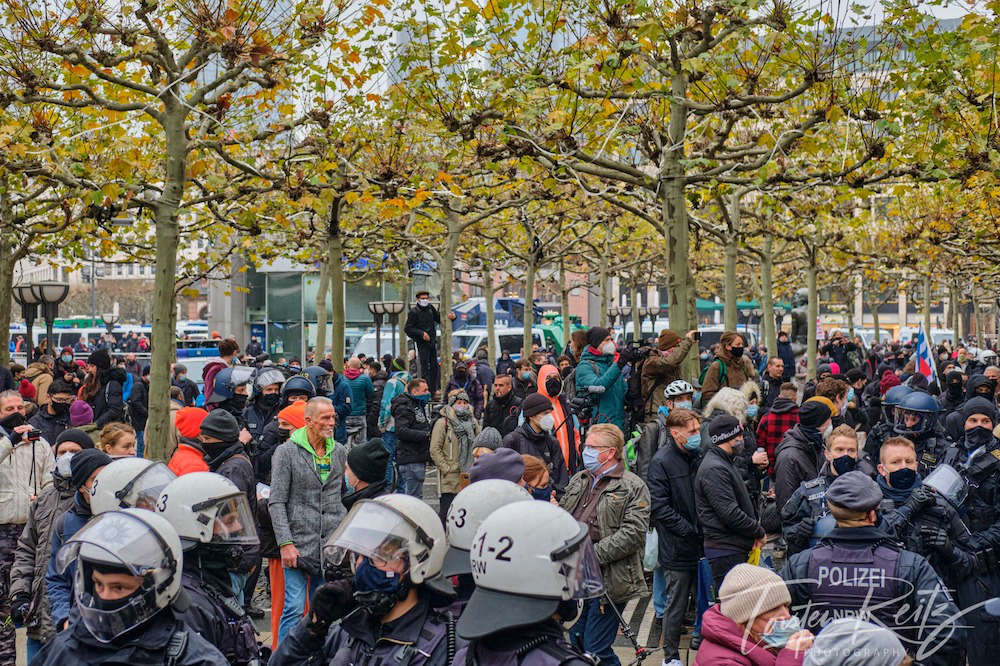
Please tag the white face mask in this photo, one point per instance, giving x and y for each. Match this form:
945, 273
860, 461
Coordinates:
423, 302
547, 422
608, 348
827, 430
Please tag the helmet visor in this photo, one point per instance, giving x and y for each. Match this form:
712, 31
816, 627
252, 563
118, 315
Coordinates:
145, 488
578, 563
241, 375
107, 537
232, 521
268, 377
373, 530
106, 624
910, 422
949, 484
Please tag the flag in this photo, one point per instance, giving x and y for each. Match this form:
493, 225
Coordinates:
925, 358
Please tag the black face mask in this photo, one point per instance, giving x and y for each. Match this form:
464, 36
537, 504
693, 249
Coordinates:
978, 436
553, 386
59, 408
461, 376
955, 390
537, 368
902, 478
844, 464
736, 352
269, 401
236, 404
566, 372
283, 433
12, 421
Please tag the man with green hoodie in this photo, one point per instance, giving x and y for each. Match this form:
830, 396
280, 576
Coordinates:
599, 377
307, 475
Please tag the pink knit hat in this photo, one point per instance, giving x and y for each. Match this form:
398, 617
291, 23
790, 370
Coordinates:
80, 413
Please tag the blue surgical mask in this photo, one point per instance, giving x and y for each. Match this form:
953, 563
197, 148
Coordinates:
780, 631
693, 442
752, 411
591, 459
369, 578
683, 404
664, 410
66, 358
697, 396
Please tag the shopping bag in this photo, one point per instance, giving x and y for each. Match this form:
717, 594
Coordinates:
651, 552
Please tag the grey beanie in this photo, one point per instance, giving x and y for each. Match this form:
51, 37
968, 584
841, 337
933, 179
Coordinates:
853, 642
489, 438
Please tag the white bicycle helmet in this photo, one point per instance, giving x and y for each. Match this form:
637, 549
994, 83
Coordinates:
678, 388
129, 482
468, 510
205, 507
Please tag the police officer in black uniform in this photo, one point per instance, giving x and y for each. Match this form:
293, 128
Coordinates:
214, 522
265, 401
859, 569
916, 418
883, 430
977, 457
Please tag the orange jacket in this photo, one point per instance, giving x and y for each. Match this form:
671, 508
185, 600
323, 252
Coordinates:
187, 459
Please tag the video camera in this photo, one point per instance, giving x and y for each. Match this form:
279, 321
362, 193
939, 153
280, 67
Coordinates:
583, 405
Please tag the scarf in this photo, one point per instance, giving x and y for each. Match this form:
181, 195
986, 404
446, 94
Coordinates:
464, 428
897, 495
219, 453
813, 435
352, 373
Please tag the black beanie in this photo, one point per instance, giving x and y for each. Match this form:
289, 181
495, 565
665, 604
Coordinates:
979, 405
222, 425
100, 358
83, 464
74, 435
369, 461
535, 403
724, 428
813, 413
596, 335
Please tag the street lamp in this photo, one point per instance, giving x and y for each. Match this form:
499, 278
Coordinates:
109, 319
29, 311
626, 312
653, 312
377, 308
394, 309
613, 314
758, 314
50, 295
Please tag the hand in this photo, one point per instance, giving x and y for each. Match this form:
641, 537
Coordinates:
451, 315
426, 337
624, 356
759, 543
27, 427
331, 602
800, 641
921, 498
690, 335
289, 556
553, 500
245, 436
19, 605
759, 458
935, 538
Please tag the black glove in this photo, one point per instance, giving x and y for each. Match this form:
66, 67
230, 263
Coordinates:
625, 356
331, 602
935, 538
921, 498
19, 605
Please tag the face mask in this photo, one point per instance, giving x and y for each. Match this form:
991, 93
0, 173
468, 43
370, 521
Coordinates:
66, 358
844, 464
697, 396
553, 386
12, 421
780, 631
827, 430
850, 394
737, 445
526, 375
591, 459
59, 408
270, 401
978, 436
547, 423
736, 352
237, 402
423, 302
369, 578
955, 390
693, 442
752, 411
425, 398
461, 375
902, 478
542, 493
283, 433
608, 348
181, 377
462, 411
704, 356
566, 372
683, 404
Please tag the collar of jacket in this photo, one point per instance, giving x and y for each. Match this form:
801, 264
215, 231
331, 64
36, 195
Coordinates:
223, 455
404, 630
783, 405
869, 534
301, 439
716, 450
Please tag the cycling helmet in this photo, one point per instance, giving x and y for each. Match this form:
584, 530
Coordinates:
678, 388
916, 415
225, 383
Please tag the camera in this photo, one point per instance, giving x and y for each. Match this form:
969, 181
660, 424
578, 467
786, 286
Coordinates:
33, 435
697, 336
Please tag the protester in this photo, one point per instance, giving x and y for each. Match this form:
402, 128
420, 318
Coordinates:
729, 368
421, 327
662, 368
40, 374
601, 366
534, 437
189, 456
117, 440
412, 419
771, 382
779, 419
800, 455
452, 441
52, 418
502, 410
359, 384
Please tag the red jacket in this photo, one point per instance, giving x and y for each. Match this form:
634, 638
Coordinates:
782, 417
187, 459
724, 643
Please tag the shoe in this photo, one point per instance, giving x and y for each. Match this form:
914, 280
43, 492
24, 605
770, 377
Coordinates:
673, 662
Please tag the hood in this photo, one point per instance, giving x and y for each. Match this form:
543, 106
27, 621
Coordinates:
596, 358
719, 629
783, 406
544, 373
794, 439
36, 369
113, 375
526, 430
975, 382
352, 373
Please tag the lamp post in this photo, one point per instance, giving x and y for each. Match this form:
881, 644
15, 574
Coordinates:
394, 309
613, 314
626, 312
50, 295
29, 311
377, 308
758, 314
109, 320
653, 312
640, 314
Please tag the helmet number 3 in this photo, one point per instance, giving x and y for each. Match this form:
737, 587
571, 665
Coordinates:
161, 506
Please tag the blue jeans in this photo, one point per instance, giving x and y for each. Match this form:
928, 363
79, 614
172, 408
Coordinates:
34, 647
412, 475
299, 588
389, 442
659, 592
140, 443
595, 631
238, 580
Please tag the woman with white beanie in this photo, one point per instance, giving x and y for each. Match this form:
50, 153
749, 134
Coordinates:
751, 625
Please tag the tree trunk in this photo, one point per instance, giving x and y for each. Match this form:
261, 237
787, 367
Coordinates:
324, 286
602, 274
335, 257
850, 308
564, 306
488, 294
813, 312
874, 305
731, 314
403, 287
975, 316
447, 280
636, 319
766, 297
7, 262
927, 307
529, 312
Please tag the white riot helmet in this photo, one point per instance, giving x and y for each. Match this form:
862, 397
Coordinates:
526, 559
678, 388
62, 473
392, 527
468, 510
205, 507
133, 542
129, 482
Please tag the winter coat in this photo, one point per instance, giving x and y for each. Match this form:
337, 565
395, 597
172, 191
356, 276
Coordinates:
796, 459
270, 439
218, 617
50, 425
622, 519
305, 510
59, 584
362, 391
395, 385
41, 378
594, 370
413, 429
655, 435
257, 418
234, 464
658, 372
189, 389
138, 405
738, 372
673, 510
444, 451
542, 445
782, 417
725, 643
375, 404
501, 413
727, 515
187, 458
108, 402
770, 390
31, 559
25, 470
788, 356
422, 320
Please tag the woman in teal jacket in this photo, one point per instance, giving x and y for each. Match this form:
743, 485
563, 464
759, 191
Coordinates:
598, 366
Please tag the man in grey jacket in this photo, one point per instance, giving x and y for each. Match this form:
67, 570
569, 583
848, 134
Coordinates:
307, 475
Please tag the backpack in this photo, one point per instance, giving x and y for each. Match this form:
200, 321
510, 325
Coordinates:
635, 401
723, 373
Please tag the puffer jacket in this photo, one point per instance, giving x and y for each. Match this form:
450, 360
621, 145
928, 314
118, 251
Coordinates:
658, 371
601, 370
31, 559
50, 425
412, 421
622, 519
25, 470
738, 372
727, 515
671, 491
726, 643
444, 452
41, 378
305, 510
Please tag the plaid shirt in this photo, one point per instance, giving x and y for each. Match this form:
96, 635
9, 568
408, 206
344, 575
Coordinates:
772, 429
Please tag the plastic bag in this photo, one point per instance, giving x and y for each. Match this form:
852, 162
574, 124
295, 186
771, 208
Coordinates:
754, 558
651, 552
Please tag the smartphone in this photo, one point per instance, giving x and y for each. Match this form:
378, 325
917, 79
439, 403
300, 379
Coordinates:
697, 336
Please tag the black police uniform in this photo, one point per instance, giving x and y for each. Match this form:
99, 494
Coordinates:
218, 617
538, 645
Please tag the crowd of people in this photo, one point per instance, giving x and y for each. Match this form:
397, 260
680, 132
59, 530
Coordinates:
567, 485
